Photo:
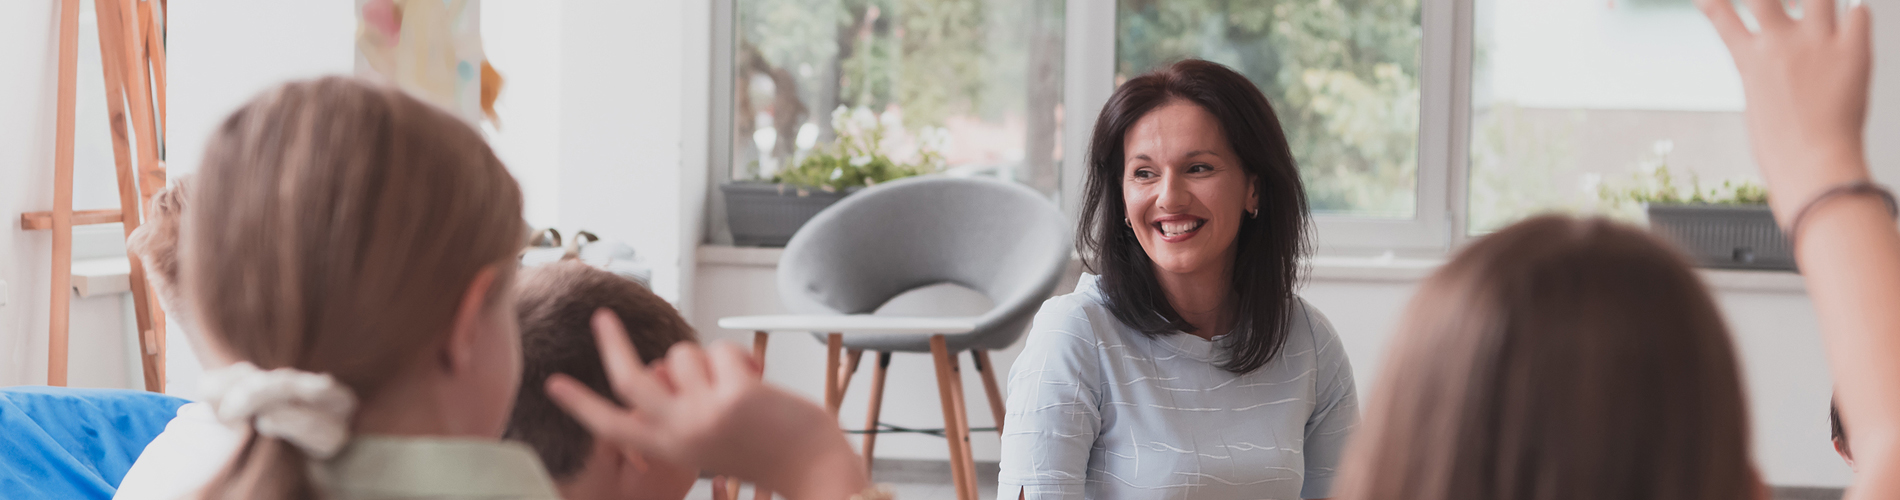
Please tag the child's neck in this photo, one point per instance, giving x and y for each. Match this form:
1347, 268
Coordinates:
415, 404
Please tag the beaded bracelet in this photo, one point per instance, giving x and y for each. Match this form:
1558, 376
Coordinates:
1846, 188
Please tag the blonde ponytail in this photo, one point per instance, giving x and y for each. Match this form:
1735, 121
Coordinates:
335, 225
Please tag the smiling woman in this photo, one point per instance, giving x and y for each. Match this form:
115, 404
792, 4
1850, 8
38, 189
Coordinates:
1183, 365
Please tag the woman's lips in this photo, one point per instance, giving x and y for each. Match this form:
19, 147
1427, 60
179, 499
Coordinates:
1178, 229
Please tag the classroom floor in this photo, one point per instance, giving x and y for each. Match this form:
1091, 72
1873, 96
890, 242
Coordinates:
930, 480
908, 479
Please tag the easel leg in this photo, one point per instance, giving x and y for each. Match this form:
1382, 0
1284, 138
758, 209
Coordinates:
62, 293
116, 37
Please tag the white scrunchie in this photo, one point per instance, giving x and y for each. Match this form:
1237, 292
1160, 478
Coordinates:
310, 410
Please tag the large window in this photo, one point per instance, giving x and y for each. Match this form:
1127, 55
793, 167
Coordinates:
1416, 123
1342, 75
1571, 96
976, 82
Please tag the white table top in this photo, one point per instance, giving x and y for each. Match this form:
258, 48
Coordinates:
854, 323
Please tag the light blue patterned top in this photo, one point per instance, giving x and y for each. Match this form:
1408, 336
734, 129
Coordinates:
1098, 410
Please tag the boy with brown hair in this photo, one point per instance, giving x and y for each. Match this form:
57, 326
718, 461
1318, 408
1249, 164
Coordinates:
556, 304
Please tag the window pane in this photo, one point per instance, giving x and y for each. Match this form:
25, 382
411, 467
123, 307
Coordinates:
1572, 96
977, 81
1342, 74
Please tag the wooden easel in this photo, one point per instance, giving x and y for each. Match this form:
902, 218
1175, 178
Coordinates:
132, 53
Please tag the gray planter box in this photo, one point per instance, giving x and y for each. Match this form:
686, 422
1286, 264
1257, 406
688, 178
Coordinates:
1725, 236
766, 215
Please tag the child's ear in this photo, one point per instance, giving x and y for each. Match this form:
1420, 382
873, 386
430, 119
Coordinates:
458, 353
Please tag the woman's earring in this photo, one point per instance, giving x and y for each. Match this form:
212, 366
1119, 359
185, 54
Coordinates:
1126, 223
1253, 214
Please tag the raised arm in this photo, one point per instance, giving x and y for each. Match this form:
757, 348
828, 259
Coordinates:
1806, 83
710, 410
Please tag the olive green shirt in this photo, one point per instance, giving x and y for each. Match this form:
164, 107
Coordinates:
387, 467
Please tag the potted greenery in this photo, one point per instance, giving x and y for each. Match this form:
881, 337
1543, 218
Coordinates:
768, 213
1726, 226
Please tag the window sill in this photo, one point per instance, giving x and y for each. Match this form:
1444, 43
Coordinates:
100, 277
1327, 269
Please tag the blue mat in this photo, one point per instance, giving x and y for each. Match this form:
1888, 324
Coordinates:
62, 443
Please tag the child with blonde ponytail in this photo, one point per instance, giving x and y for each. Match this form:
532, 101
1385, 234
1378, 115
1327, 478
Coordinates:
351, 248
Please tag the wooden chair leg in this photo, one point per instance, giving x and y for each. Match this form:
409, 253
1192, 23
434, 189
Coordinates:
877, 405
758, 354
950, 389
981, 359
967, 459
834, 346
851, 359
758, 348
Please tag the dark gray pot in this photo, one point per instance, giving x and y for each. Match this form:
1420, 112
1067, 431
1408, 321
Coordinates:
766, 215
1725, 236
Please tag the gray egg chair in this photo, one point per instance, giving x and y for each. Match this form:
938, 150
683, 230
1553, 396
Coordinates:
1001, 239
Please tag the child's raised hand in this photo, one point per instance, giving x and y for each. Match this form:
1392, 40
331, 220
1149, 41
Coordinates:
1806, 83
710, 410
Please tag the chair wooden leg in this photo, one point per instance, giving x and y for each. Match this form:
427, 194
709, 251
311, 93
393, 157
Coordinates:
758, 353
877, 405
983, 367
851, 359
834, 345
950, 389
963, 428
758, 349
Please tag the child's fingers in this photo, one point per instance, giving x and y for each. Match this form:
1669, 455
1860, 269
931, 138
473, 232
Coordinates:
664, 375
730, 364
1818, 15
1859, 26
687, 365
630, 379
1769, 14
1727, 23
596, 413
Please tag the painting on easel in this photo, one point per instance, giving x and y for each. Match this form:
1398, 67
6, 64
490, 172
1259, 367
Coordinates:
431, 49
132, 59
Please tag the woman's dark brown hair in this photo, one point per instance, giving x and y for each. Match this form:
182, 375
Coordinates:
1270, 247
335, 226
1558, 359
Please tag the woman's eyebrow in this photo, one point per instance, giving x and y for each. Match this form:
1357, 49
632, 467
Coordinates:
1190, 154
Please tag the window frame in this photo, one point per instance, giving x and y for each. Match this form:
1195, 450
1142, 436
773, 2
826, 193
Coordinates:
1438, 221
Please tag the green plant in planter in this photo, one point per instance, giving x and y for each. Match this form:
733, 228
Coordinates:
1658, 185
858, 157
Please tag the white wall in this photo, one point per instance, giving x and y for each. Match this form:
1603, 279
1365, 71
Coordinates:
625, 110
222, 53
598, 120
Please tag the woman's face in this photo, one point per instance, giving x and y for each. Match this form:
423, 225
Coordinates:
1184, 189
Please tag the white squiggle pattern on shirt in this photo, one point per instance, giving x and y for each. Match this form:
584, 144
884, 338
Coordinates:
1098, 410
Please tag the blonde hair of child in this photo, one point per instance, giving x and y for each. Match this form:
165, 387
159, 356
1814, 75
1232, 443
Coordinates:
335, 226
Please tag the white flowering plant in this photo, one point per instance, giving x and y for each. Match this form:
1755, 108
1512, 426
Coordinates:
858, 157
